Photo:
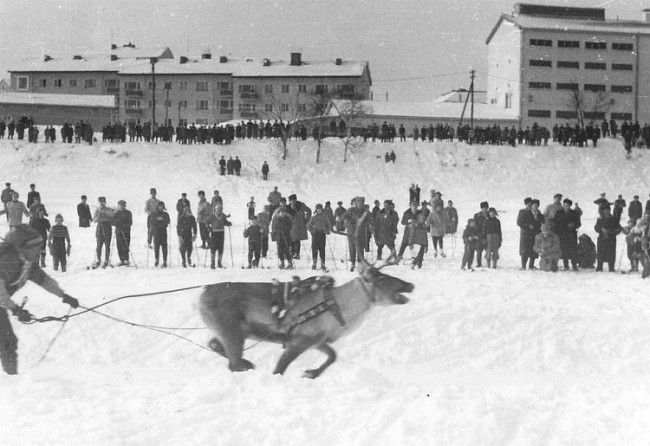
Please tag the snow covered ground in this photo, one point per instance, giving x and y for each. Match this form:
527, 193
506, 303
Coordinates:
489, 357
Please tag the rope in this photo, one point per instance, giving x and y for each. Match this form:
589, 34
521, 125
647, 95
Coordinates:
49, 346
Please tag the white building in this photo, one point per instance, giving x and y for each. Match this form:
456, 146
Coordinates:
556, 64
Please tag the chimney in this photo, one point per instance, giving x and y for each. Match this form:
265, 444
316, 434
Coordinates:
206, 56
77, 57
223, 59
338, 61
114, 57
113, 46
184, 59
296, 59
47, 58
129, 45
266, 62
646, 15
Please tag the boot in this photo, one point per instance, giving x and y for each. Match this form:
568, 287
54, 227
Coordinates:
442, 254
313, 265
352, 267
494, 264
156, 263
9, 363
281, 264
488, 263
63, 267
219, 261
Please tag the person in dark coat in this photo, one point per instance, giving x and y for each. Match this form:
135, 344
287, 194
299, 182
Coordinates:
32, 195
351, 218
567, 222
301, 215
222, 165
42, 225
470, 239
386, 229
123, 220
182, 203
265, 171
407, 217
619, 205
160, 220
493, 236
83, 211
230, 166
19, 255
602, 202
339, 212
418, 236
254, 235
526, 223
607, 228
186, 231
281, 234
319, 227
635, 210
452, 217
480, 218
237, 166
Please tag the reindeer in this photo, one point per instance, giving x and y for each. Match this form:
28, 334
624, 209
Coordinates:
235, 311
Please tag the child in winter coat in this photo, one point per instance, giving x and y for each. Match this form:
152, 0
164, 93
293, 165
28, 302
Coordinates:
254, 235
418, 236
547, 245
493, 237
57, 243
470, 239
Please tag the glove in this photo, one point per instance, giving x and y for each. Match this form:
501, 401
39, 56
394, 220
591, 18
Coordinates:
67, 299
22, 314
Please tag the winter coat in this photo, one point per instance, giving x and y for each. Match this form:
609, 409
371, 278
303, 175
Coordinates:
182, 203
635, 211
329, 213
186, 227
452, 217
218, 223
160, 221
31, 197
418, 233
566, 227
42, 225
386, 227
339, 212
437, 223
319, 224
527, 225
254, 234
607, 228
548, 247
407, 217
470, 237
203, 211
83, 211
274, 198
551, 209
492, 226
281, 228
6, 195
35, 209
123, 220
15, 211
151, 206
104, 215
351, 217
216, 199
300, 214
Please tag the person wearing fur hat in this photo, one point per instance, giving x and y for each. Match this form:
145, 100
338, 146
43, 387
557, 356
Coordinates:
480, 218
19, 255
567, 222
547, 245
493, 238
607, 228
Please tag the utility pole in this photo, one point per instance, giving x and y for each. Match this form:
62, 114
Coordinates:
472, 73
153, 61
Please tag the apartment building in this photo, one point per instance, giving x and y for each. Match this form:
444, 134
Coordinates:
202, 90
556, 64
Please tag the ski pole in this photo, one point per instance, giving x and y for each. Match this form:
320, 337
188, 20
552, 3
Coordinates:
232, 262
333, 259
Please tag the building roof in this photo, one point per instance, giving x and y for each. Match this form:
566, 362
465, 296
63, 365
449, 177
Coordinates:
70, 100
437, 110
529, 22
282, 68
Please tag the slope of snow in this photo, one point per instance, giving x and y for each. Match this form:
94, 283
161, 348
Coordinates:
489, 357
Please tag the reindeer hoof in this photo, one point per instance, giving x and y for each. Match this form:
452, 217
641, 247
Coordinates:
243, 366
311, 374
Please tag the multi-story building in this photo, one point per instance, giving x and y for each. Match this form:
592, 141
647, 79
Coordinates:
199, 90
556, 64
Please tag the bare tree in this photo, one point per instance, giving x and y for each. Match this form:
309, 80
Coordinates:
287, 112
350, 110
592, 104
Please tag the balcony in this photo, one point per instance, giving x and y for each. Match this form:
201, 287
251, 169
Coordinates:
113, 90
137, 93
226, 92
226, 111
133, 111
249, 95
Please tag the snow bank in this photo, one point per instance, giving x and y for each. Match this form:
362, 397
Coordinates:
489, 357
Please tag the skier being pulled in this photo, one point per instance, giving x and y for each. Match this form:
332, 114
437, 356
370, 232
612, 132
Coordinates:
19, 255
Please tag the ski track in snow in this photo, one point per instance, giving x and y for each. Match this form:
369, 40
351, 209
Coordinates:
484, 357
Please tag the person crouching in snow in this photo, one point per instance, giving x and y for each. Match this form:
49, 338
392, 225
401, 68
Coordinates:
547, 245
493, 237
418, 236
470, 239
57, 240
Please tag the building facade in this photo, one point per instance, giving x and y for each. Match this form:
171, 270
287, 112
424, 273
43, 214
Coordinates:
555, 65
202, 90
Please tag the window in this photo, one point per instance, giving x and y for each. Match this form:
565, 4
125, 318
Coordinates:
302, 107
568, 44
567, 64
90, 83
595, 87
247, 91
268, 108
132, 85
284, 108
72, 83
201, 104
183, 85
566, 114
42, 83
168, 85
622, 67
542, 85
593, 45
595, 115
182, 104
567, 87
540, 63
539, 113
131, 104
508, 100
225, 107
302, 88
168, 103
58, 83
150, 85
268, 89
621, 89
110, 83
225, 88
623, 46
541, 42
201, 86
595, 66
321, 89
285, 88
622, 116
22, 83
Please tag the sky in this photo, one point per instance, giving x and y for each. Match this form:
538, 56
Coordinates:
417, 49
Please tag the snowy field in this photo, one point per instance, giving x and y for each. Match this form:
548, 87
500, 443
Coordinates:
487, 357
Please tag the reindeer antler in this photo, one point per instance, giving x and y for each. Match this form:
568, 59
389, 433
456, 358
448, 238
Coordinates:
391, 260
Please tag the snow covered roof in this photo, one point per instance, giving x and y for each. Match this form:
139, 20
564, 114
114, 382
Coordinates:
437, 110
530, 22
70, 100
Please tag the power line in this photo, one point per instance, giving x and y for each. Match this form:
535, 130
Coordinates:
406, 79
